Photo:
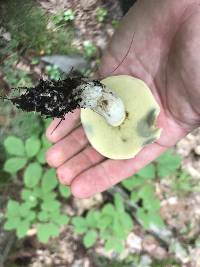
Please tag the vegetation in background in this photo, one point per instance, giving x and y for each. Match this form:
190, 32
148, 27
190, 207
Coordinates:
89, 49
53, 72
101, 14
41, 202
28, 26
132, 261
112, 224
63, 17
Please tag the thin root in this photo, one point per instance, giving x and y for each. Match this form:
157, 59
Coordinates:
57, 125
125, 54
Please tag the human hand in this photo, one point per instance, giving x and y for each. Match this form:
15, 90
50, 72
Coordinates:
165, 54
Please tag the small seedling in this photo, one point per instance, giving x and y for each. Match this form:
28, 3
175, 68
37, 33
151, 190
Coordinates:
89, 49
53, 72
69, 15
115, 23
101, 14
66, 16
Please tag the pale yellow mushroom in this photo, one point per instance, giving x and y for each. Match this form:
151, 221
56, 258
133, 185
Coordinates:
137, 128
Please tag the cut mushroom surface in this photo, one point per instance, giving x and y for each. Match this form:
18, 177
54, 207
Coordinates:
137, 129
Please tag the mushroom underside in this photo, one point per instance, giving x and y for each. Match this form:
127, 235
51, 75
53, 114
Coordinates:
138, 128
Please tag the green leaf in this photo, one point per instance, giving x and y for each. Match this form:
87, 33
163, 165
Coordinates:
29, 197
152, 204
53, 229
149, 218
49, 181
32, 174
24, 210
147, 192
13, 209
92, 218
47, 122
25, 193
47, 230
108, 209
41, 156
31, 216
13, 165
43, 216
135, 197
43, 233
11, 223
46, 144
90, 238
51, 205
104, 221
32, 146
148, 172
119, 203
14, 146
105, 234
114, 244
109, 245
61, 219
64, 191
118, 246
168, 163
80, 225
133, 182
48, 196
127, 222
183, 183
37, 192
22, 228
118, 229
155, 219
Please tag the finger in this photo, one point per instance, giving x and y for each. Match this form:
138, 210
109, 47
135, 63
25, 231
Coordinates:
67, 147
111, 172
77, 164
71, 121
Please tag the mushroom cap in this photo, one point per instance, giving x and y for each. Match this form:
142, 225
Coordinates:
138, 128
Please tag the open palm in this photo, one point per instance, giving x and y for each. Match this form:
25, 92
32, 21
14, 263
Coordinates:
165, 54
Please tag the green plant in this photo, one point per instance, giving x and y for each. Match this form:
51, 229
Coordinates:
26, 124
53, 72
168, 163
89, 49
13, 76
101, 14
182, 183
143, 196
39, 205
69, 15
22, 18
26, 22
142, 188
66, 16
115, 23
111, 224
